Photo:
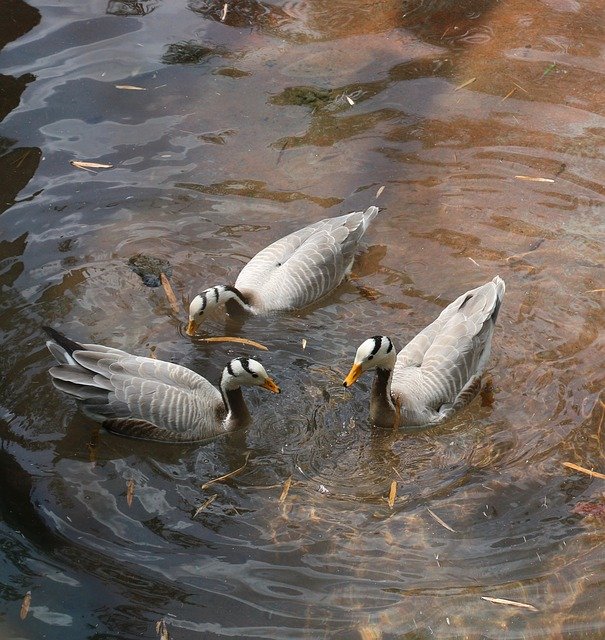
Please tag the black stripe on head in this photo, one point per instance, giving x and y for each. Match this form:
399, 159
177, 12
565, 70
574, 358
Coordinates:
390, 348
230, 370
377, 343
204, 301
215, 290
246, 367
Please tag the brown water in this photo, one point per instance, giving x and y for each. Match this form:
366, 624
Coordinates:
244, 133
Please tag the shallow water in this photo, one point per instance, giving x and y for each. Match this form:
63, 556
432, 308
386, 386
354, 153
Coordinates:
243, 133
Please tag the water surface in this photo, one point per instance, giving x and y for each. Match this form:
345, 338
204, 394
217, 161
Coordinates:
246, 129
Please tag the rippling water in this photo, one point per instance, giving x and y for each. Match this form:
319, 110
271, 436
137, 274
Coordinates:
244, 131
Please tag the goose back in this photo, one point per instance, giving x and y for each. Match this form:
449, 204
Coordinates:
122, 391
434, 367
303, 266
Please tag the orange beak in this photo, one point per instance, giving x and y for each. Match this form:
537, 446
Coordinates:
353, 375
191, 327
270, 385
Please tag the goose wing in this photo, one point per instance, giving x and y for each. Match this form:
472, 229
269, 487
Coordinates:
127, 389
305, 265
437, 364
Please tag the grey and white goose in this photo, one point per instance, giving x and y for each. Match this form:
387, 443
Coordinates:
151, 399
291, 273
439, 371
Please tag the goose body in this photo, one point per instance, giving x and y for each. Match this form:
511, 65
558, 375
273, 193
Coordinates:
152, 399
291, 273
439, 370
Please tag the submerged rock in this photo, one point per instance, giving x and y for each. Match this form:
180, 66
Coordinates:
149, 268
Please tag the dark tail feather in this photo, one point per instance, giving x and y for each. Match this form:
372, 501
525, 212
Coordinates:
69, 345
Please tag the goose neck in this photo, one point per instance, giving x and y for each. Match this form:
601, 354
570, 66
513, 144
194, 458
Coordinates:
235, 406
382, 409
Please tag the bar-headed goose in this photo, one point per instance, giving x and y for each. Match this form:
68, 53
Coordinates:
150, 399
292, 272
439, 371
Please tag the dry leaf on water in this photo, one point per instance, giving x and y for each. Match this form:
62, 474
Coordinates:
89, 166
162, 630
130, 492
392, 493
285, 490
27, 598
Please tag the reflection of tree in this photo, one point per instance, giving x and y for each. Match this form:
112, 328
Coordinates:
11, 90
242, 13
186, 53
131, 8
16, 18
16, 169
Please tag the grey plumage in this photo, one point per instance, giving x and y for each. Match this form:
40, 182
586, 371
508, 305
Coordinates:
294, 271
303, 266
439, 370
148, 398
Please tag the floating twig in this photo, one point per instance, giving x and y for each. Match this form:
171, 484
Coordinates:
224, 12
465, 84
588, 472
169, 293
349, 100
380, 190
251, 343
534, 179
285, 490
130, 87
512, 603
27, 598
509, 94
440, 521
227, 475
204, 505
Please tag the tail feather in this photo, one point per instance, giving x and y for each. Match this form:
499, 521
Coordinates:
61, 346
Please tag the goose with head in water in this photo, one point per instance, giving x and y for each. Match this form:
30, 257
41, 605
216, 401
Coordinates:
151, 399
439, 371
291, 273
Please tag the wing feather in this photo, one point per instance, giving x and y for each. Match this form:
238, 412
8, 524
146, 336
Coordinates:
303, 266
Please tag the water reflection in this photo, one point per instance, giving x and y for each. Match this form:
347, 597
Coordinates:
243, 135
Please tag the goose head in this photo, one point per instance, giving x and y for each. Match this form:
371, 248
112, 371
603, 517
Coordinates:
247, 372
375, 353
202, 303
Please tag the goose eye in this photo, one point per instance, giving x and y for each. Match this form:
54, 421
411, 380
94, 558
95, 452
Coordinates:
255, 375
370, 357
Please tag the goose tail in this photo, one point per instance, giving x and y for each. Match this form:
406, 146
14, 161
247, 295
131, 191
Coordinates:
61, 346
